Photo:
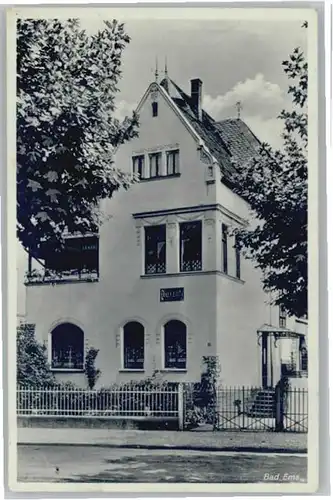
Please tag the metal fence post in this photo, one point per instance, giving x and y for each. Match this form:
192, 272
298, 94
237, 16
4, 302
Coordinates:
279, 395
181, 406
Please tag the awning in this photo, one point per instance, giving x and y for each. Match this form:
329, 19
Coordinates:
279, 332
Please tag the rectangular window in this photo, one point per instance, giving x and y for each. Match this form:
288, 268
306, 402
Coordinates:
225, 248
190, 246
155, 254
172, 162
282, 317
138, 165
155, 164
154, 107
238, 257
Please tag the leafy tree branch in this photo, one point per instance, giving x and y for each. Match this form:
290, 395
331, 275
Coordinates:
67, 135
274, 184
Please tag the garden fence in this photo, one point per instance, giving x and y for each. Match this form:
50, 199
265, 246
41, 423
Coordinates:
116, 402
226, 408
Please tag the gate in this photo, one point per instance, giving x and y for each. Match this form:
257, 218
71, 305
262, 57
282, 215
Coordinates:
245, 409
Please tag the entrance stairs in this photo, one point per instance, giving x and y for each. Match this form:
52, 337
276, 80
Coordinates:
262, 404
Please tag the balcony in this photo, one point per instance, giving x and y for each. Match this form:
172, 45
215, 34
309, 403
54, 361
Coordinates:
77, 261
46, 276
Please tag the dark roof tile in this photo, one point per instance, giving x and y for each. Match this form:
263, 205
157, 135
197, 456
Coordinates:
241, 141
227, 140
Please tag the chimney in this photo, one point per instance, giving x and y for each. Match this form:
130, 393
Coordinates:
196, 96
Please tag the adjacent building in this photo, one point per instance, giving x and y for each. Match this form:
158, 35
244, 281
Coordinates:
163, 283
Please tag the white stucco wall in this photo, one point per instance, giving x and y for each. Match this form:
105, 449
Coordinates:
241, 310
221, 314
121, 295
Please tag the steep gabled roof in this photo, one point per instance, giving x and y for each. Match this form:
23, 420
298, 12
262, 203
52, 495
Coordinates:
240, 140
227, 140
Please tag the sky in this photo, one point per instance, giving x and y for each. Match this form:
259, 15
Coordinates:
236, 60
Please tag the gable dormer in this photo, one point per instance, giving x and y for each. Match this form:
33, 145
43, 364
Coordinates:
166, 134
168, 114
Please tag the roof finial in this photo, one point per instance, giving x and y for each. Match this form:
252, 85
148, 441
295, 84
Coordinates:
239, 107
156, 71
166, 67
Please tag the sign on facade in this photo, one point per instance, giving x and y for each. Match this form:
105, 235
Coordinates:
171, 294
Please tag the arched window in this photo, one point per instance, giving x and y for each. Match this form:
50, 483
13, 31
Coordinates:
67, 347
134, 346
175, 344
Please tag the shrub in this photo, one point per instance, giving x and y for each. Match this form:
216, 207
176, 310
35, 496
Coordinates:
32, 365
92, 373
201, 397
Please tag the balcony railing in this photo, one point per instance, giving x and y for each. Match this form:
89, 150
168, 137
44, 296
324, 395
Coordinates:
191, 265
48, 276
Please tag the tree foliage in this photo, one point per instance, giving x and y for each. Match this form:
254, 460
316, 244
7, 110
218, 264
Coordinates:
275, 185
32, 367
66, 131
92, 373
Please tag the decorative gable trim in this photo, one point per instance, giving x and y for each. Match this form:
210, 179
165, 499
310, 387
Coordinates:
156, 88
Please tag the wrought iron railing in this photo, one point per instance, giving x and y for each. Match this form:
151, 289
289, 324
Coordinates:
67, 359
48, 276
246, 408
225, 408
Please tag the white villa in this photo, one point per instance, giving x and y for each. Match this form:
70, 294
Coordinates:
162, 284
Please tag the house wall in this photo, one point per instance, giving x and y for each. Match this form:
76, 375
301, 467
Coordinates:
121, 295
241, 307
221, 312
238, 311
247, 307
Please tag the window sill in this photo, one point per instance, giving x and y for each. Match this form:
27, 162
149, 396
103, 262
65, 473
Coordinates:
147, 275
160, 177
192, 273
173, 370
67, 370
230, 277
132, 370
170, 275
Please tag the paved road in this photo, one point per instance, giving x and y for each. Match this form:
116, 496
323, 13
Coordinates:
96, 464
